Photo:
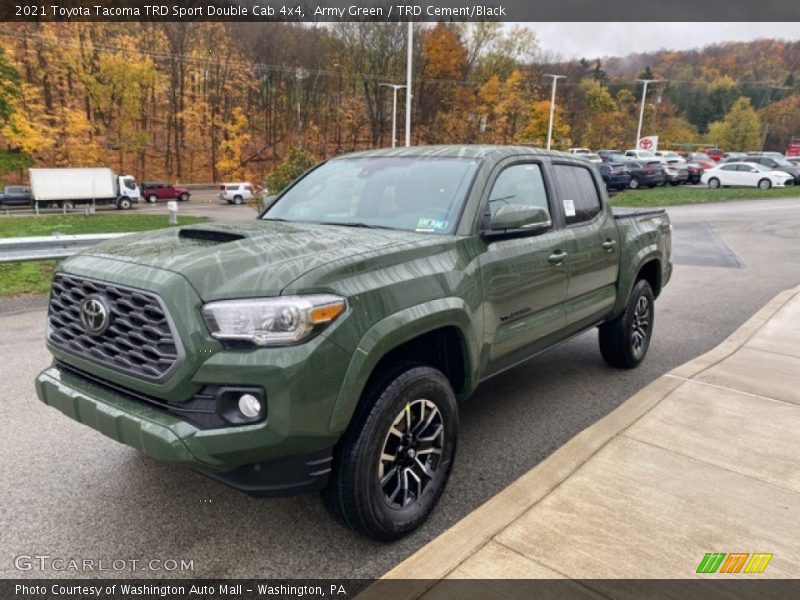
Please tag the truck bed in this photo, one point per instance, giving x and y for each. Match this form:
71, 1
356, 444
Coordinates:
627, 213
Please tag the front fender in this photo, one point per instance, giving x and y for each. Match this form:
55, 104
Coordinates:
391, 332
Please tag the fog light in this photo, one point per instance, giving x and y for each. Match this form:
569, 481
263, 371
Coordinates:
249, 406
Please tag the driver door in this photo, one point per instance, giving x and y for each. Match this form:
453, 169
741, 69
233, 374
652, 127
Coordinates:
524, 277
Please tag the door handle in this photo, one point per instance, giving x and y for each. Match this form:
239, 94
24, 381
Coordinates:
609, 245
557, 257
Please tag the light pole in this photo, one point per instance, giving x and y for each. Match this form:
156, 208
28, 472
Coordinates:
552, 107
641, 111
394, 87
409, 71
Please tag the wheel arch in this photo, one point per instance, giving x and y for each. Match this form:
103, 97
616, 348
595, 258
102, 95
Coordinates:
649, 266
439, 334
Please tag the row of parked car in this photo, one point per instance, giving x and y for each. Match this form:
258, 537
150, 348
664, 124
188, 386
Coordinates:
641, 168
152, 192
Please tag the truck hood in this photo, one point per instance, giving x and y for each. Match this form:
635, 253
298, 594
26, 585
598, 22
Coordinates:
249, 258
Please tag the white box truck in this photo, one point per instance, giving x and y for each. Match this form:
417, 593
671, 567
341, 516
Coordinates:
67, 187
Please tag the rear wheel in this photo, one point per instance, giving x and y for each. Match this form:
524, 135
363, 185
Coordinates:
765, 184
152, 198
713, 183
183, 197
237, 199
634, 184
625, 340
393, 463
68, 204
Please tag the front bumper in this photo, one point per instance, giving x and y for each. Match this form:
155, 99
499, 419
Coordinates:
294, 464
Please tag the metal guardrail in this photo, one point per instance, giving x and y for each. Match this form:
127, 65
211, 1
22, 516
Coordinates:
47, 247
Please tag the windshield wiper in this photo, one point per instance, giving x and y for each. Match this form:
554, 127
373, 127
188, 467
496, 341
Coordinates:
502, 198
356, 224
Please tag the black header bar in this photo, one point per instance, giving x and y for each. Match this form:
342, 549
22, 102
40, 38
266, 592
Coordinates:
401, 10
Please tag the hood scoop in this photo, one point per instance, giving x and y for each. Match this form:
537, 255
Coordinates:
209, 236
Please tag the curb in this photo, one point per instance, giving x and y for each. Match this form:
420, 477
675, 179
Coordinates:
442, 555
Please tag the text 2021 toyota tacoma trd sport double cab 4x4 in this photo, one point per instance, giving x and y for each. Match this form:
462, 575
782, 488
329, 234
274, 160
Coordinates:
324, 345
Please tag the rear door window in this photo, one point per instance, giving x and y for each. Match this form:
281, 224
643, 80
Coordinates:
578, 193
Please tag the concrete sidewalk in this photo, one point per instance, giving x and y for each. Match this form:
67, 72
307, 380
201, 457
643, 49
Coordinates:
704, 459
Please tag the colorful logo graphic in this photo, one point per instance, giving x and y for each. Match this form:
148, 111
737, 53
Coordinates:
735, 562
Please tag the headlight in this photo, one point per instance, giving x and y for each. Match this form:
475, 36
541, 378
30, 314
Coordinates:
280, 321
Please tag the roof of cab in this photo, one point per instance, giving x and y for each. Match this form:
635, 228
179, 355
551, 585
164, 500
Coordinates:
458, 151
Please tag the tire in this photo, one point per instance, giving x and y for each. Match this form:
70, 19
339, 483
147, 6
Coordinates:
152, 198
634, 184
625, 340
355, 495
651, 185
237, 199
674, 183
183, 197
124, 203
764, 184
68, 204
713, 183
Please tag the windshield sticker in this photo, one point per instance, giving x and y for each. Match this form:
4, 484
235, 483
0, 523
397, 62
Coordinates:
432, 225
569, 208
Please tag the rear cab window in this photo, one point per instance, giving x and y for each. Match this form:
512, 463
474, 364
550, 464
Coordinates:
578, 193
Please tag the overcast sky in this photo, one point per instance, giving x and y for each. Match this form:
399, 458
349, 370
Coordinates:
593, 40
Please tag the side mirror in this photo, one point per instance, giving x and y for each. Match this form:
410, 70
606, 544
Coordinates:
518, 219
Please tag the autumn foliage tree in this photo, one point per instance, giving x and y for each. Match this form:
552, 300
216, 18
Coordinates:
208, 101
740, 130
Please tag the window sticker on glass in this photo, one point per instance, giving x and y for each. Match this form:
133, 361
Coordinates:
432, 225
569, 208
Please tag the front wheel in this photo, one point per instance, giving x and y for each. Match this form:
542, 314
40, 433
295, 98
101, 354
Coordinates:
124, 203
713, 183
393, 463
238, 199
634, 184
764, 184
625, 340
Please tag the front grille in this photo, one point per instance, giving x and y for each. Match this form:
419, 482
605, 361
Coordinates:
139, 339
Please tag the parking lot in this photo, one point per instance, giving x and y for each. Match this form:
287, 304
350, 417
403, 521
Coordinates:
73, 493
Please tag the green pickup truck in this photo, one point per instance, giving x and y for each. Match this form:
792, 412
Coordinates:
325, 345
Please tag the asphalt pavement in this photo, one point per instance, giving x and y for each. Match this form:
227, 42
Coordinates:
69, 492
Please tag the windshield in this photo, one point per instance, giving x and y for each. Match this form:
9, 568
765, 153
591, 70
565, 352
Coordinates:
422, 194
701, 156
129, 183
783, 162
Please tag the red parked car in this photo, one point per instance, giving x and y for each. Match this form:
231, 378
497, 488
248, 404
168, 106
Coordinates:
702, 158
153, 192
715, 154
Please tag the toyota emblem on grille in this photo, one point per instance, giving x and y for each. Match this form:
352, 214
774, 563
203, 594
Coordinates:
94, 315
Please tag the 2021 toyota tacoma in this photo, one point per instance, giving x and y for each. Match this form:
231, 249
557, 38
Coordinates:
324, 345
